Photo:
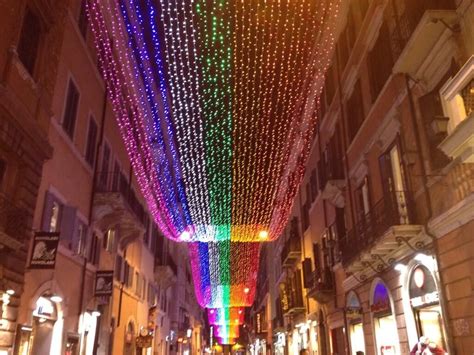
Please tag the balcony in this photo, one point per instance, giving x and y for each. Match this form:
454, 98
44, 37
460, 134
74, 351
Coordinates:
115, 203
166, 272
332, 182
458, 96
424, 27
294, 304
322, 285
384, 235
13, 223
291, 252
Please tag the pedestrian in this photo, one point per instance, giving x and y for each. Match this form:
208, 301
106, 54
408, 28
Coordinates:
304, 352
436, 349
420, 346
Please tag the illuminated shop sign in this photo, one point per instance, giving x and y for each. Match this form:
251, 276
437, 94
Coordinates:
423, 289
381, 300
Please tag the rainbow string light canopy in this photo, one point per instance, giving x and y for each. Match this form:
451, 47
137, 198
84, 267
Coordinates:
217, 102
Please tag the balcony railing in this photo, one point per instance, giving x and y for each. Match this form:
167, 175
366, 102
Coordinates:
291, 251
394, 209
322, 285
117, 183
409, 17
13, 222
331, 170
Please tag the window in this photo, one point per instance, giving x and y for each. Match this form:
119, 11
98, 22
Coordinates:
94, 252
355, 111
81, 238
109, 240
146, 236
138, 284
29, 42
104, 176
82, 20
330, 83
128, 273
362, 201
91, 142
314, 185
70, 111
118, 268
380, 62
55, 216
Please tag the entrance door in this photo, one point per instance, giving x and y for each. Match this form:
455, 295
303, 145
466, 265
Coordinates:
430, 324
42, 336
357, 338
337, 339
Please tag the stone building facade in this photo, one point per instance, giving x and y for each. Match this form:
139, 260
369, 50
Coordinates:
64, 169
30, 43
381, 233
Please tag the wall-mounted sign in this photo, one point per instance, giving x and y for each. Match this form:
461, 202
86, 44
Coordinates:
381, 300
423, 289
353, 307
104, 282
45, 247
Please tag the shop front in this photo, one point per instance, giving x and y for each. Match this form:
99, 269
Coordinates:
425, 306
384, 322
44, 335
353, 312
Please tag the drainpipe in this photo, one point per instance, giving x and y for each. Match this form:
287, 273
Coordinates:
424, 177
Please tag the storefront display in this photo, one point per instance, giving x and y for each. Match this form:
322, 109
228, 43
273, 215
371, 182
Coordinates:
386, 332
424, 301
354, 323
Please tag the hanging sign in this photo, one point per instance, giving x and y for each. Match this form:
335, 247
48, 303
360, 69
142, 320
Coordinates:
45, 247
104, 282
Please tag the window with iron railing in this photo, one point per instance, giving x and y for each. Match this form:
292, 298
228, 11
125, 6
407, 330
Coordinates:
405, 15
380, 62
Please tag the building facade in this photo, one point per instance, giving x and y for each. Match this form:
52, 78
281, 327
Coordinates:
379, 250
112, 284
30, 42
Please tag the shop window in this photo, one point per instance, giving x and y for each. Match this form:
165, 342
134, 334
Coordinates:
70, 110
386, 331
424, 300
91, 142
29, 43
